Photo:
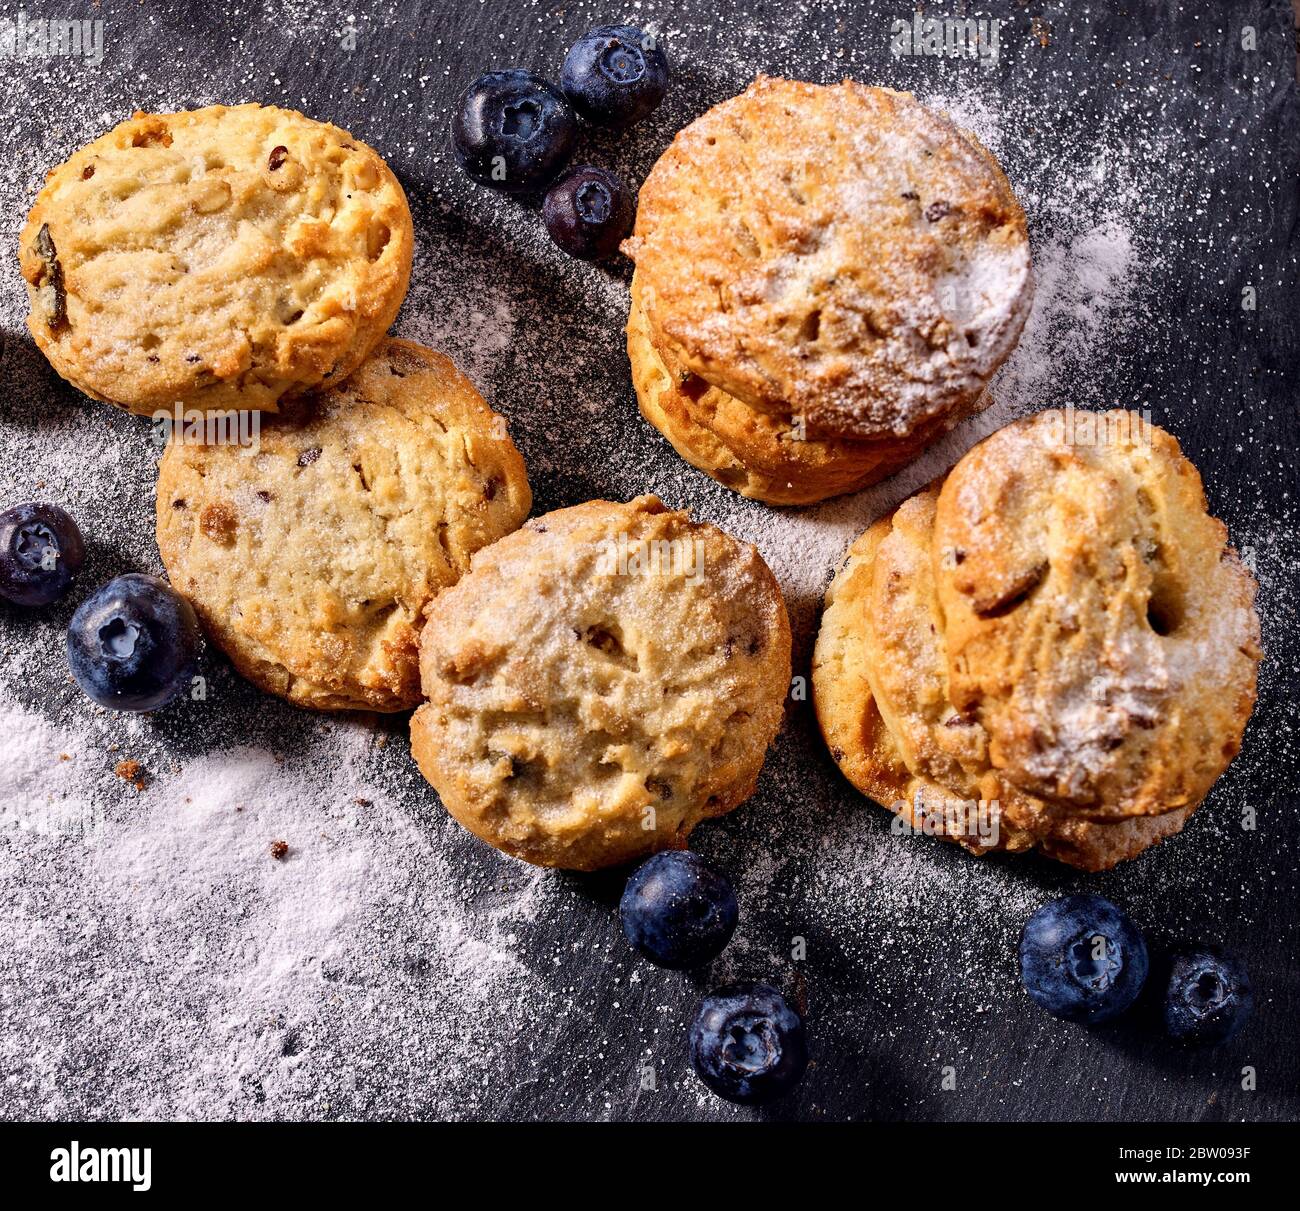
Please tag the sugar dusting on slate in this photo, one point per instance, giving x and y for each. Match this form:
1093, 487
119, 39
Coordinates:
157, 960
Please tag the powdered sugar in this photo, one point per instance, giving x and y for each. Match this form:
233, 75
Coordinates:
176, 891
44, 784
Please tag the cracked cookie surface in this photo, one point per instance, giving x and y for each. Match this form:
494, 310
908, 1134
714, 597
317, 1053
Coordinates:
226, 257
601, 681
312, 556
839, 253
759, 454
1096, 618
899, 650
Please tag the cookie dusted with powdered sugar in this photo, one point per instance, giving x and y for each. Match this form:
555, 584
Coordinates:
837, 253
216, 258
604, 679
895, 656
312, 556
1096, 619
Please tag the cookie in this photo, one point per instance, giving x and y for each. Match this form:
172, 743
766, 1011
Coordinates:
838, 253
1096, 619
312, 556
603, 679
883, 677
957, 800
910, 761
758, 454
218, 258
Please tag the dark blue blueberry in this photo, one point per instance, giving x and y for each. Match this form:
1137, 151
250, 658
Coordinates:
513, 130
133, 644
1208, 998
588, 211
41, 553
1082, 959
615, 75
748, 1044
677, 911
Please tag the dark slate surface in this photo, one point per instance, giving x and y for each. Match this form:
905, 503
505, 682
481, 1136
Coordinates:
888, 1013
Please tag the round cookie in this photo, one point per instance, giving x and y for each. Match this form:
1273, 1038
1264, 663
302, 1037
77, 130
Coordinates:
840, 253
882, 675
850, 719
917, 768
1096, 620
758, 454
312, 555
604, 679
923, 771
217, 258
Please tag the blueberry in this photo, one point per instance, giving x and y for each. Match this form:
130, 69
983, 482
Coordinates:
677, 911
588, 211
747, 1043
615, 75
513, 130
41, 553
1208, 998
1082, 959
133, 644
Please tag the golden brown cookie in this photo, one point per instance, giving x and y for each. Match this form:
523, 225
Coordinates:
312, 556
902, 754
838, 253
882, 676
217, 258
603, 680
1096, 620
759, 454
859, 742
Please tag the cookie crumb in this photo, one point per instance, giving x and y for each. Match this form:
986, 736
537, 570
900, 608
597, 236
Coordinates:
131, 771
279, 850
